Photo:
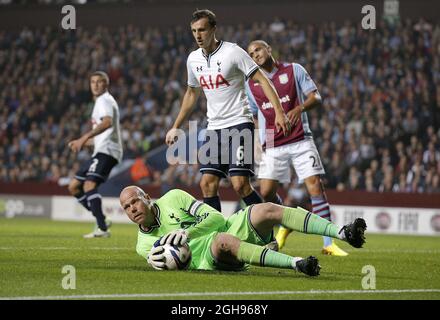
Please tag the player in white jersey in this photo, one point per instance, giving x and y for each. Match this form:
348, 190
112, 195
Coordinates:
300, 94
106, 139
221, 68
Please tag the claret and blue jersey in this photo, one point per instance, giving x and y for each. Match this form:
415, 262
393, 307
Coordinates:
293, 84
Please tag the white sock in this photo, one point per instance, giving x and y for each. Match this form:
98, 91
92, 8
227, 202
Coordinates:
341, 234
295, 260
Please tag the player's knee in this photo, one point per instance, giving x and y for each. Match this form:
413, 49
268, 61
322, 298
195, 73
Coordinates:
267, 194
268, 211
242, 187
89, 185
74, 187
223, 244
314, 185
208, 186
204, 185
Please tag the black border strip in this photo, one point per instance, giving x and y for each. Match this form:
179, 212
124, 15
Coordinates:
250, 73
306, 221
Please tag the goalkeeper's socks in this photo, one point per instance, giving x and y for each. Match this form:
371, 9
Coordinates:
82, 199
263, 257
95, 203
321, 207
299, 219
252, 198
213, 202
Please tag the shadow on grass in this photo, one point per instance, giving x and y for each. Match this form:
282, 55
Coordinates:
269, 273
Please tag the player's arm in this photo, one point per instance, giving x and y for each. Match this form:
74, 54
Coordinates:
313, 100
281, 120
258, 145
256, 113
76, 145
252, 103
89, 143
188, 103
307, 88
206, 219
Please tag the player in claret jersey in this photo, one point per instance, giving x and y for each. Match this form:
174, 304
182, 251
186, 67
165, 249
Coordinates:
220, 69
298, 94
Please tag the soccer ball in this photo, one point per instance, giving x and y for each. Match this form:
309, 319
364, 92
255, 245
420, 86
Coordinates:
176, 257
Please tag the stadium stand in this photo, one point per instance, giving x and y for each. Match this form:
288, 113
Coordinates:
378, 130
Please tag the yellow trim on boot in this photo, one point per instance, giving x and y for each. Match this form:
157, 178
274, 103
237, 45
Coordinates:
281, 236
334, 250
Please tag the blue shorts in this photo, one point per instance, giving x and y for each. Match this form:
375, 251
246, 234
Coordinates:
96, 169
228, 151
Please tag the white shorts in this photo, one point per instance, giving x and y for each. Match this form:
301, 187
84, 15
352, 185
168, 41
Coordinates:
276, 162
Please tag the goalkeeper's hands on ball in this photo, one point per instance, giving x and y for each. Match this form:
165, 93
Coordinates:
156, 258
177, 238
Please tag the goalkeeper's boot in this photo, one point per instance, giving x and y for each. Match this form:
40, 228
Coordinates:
309, 266
282, 236
98, 233
354, 232
334, 250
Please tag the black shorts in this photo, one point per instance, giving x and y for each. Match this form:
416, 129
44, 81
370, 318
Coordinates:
96, 169
228, 151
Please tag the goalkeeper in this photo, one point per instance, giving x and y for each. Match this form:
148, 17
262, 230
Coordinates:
219, 243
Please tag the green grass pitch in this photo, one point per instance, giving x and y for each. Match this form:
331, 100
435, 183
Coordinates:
33, 253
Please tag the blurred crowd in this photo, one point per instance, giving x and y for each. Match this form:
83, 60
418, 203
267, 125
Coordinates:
378, 129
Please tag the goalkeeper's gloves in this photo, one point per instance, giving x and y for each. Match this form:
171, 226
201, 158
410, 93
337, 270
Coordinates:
177, 238
156, 258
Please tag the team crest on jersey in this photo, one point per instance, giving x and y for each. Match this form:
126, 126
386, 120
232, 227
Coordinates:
172, 216
283, 78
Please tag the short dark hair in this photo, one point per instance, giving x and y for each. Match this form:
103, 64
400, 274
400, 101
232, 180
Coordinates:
204, 13
101, 74
262, 42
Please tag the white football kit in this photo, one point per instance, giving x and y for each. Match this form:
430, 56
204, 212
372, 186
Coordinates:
108, 142
222, 75
302, 155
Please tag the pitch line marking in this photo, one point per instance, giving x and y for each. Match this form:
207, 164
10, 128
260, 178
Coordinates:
429, 251
363, 250
66, 248
203, 294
